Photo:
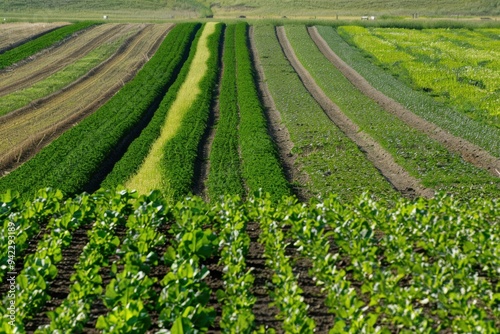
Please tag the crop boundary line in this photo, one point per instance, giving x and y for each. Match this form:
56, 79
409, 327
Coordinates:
467, 150
396, 175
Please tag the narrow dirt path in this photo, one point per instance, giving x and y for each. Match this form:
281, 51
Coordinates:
26, 75
381, 159
469, 152
276, 128
28, 130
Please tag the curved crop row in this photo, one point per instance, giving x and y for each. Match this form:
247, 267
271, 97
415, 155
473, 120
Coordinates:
171, 160
30, 48
71, 161
261, 168
225, 171
423, 157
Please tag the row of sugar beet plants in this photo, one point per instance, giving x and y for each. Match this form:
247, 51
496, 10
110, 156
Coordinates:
417, 101
86, 287
28, 49
225, 169
71, 161
22, 221
261, 168
40, 269
424, 158
333, 163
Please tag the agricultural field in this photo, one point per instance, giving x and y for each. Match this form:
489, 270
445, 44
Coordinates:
248, 178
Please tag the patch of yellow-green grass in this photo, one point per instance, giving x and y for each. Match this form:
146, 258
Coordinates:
149, 176
59, 79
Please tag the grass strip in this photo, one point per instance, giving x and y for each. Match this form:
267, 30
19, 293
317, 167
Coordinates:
420, 103
333, 163
225, 170
421, 156
261, 168
170, 162
30, 48
70, 161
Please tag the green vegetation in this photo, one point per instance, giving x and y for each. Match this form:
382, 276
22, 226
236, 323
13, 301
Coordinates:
420, 265
30, 48
59, 79
72, 160
418, 102
225, 169
261, 168
422, 157
332, 162
458, 67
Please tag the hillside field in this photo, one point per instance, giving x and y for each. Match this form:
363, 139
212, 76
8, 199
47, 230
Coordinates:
249, 176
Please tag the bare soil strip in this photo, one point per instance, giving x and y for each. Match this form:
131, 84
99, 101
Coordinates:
30, 130
381, 159
277, 130
28, 74
14, 34
469, 152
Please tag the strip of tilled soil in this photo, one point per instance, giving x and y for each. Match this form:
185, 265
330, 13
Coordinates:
59, 288
77, 48
469, 152
14, 35
277, 129
89, 93
202, 166
381, 159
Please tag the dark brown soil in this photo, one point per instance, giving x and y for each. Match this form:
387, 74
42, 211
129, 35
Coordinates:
278, 130
381, 159
469, 152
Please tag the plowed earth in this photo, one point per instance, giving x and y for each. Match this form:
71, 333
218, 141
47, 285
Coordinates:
15, 34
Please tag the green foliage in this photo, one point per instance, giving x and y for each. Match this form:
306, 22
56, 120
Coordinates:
71, 160
261, 168
225, 171
423, 157
30, 48
332, 162
180, 153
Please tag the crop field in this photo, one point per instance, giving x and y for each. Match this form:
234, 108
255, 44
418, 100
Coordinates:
249, 178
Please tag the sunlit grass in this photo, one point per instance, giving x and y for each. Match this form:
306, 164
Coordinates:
149, 176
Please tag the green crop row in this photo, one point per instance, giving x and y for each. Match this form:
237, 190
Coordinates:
180, 153
72, 160
30, 48
137, 151
332, 162
261, 168
423, 157
225, 171
418, 102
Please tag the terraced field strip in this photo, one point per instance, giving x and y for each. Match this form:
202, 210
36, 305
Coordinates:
470, 152
14, 34
31, 129
419, 102
149, 177
380, 158
55, 59
422, 157
330, 160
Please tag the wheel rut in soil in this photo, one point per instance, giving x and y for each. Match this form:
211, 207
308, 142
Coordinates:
400, 179
469, 152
